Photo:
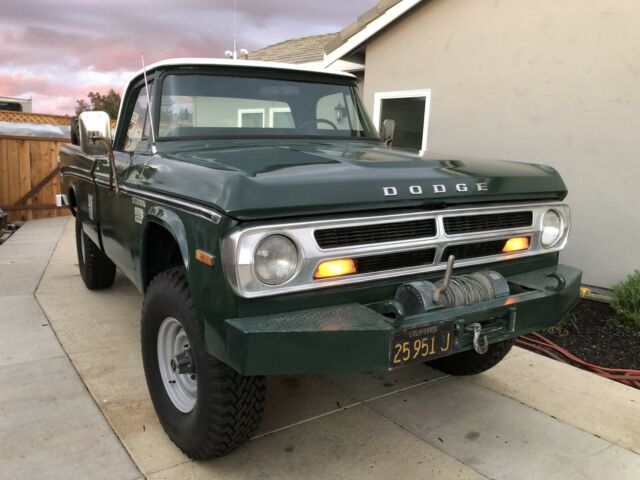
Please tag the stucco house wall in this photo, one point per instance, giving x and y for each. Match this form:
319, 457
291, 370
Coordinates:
553, 82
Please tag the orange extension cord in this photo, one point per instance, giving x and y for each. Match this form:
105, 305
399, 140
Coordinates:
547, 347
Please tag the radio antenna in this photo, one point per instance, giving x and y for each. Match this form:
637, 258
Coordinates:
244, 53
154, 150
235, 28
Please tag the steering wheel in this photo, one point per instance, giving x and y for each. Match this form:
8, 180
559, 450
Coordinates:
318, 120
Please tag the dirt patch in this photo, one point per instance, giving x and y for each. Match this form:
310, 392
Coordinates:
593, 333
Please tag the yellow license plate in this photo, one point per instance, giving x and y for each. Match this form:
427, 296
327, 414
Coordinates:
421, 344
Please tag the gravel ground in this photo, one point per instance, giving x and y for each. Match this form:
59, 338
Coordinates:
592, 333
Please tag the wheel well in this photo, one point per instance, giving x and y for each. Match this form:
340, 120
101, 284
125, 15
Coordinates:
161, 252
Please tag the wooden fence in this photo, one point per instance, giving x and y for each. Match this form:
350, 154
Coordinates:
38, 118
29, 179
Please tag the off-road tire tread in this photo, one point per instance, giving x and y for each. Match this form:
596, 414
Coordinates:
236, 402
238, 413
96, 269
472, 363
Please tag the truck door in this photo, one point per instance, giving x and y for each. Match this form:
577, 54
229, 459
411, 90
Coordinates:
85, 192
121, 213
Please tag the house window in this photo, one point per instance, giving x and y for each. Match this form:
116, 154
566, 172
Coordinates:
10, 106
251, 117
280, 117
410, 110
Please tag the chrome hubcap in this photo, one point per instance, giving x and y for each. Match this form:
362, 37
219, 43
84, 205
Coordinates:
176, 365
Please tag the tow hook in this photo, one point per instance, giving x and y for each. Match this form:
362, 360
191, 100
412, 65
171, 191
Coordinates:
182, 363
561, 283
479, 347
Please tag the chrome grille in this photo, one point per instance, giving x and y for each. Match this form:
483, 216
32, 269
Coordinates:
388, 259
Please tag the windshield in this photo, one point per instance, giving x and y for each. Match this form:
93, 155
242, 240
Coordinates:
207, 105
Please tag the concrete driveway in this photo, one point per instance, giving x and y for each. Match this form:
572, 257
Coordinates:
530, 417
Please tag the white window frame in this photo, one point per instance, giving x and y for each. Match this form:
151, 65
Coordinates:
273, 110
377, 108
242, 111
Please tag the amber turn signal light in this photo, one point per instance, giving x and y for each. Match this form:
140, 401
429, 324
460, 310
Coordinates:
336, 268
516, 244
204, 257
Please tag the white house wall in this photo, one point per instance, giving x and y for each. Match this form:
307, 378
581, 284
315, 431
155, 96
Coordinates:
552, 82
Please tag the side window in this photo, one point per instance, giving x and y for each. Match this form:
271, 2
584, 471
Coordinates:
139, 126
336, 109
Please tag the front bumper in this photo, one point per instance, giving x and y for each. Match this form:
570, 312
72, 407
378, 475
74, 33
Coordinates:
354, 337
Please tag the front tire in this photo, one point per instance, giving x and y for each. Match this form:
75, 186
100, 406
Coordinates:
210, 409
96, 270
472, 363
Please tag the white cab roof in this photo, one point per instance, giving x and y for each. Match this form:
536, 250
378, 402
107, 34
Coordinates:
173, 62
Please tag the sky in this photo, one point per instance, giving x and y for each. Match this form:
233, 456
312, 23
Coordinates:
58, 51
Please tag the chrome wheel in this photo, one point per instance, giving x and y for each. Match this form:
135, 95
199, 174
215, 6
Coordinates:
176, 364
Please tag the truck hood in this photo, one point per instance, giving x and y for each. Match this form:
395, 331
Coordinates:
274, 179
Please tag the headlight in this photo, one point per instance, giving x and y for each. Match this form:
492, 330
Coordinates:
552, 228
275, 260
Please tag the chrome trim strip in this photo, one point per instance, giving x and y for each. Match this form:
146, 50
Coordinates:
238, 247
189, 207
75, 174
101, 182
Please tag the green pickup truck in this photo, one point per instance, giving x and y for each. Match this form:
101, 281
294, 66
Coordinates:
273, 231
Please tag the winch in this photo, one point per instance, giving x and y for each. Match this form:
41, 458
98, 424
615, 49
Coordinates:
454, 291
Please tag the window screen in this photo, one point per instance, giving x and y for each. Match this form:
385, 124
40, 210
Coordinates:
408, 114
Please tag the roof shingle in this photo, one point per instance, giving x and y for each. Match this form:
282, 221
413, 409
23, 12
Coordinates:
362, 21
295, 50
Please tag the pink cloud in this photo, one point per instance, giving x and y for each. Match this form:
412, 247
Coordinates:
48, 96
48, 49
19, 84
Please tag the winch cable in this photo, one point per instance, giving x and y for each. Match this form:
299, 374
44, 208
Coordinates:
466, 290
461, 290
545, 346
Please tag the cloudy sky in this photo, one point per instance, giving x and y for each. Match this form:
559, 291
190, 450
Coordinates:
56, 51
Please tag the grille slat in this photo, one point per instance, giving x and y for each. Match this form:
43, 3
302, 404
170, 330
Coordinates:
378, 233
390, 261
487, 222
475, 250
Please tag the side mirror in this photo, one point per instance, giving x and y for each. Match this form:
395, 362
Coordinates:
91, 127
75, 131
388, 127
95, 139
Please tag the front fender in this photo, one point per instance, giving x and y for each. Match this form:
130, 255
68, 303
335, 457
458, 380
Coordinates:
212, 300
172, 222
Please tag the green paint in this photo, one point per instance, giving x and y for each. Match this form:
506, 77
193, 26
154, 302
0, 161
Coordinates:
269, 179
352, 337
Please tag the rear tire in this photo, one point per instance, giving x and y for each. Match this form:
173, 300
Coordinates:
472, 363
96, 270
223, 409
